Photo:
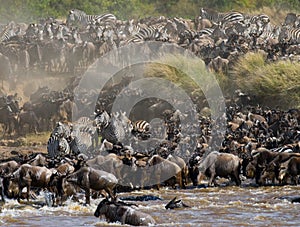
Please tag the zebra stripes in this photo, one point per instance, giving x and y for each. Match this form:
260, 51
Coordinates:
7, 32
290, 35
78, 16
141, 129
221, 18
141, 126
152, 32
261, 19
64, 141
57, 146
110, 128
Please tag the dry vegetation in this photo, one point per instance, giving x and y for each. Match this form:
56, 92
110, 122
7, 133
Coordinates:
273, 84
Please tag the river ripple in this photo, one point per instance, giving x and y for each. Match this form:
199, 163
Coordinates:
217, 206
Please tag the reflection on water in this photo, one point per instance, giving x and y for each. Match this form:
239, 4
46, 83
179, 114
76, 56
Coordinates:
219, 206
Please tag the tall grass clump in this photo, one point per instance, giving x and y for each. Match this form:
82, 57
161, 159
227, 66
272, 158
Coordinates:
188, 73
272, 84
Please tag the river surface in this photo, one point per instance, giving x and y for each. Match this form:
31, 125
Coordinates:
214, 206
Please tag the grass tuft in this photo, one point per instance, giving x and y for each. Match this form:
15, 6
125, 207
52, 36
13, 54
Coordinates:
273, 84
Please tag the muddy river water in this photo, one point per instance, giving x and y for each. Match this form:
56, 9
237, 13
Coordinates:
215, 206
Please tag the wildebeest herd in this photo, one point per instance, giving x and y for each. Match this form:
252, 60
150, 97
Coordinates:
259, 143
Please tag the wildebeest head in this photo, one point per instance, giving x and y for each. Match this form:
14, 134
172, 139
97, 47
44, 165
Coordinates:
101, 208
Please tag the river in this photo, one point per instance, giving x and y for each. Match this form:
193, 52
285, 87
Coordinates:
214, 206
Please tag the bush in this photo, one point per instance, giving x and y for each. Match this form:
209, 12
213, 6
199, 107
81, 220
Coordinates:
272, 84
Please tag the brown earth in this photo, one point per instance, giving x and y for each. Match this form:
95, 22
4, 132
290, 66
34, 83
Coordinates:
7, 152
24, 87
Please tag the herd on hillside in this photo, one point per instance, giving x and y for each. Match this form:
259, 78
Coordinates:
257, 143
70, 46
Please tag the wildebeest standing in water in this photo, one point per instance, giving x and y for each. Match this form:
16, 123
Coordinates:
122, 212
89, 178
222, 165
2, 189
30, 176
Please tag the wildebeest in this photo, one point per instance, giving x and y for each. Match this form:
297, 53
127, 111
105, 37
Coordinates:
8, 167
162, 170
121, 212
28, 117
175, 204
89, 178
222, 165
181, 163
290, 168
30, 176
265, 160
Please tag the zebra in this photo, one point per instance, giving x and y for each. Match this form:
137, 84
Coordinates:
62, 130
110, 128
141, 128
221, 18
78, 16
85, 128
63, 133
289, 35
58, 146
205, 31
261, 19
152, 32
7, 32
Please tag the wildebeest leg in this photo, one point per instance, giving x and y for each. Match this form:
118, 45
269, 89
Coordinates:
294, 180
87, 196
179, 179
111, 194
212, 180
20, 193
236, 179
27, 193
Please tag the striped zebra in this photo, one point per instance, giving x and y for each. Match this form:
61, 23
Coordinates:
7, 32
109, 128
85, 128
141, 129
63, 141
221, 18
289, 35
206, 31
62, 130
141, 126
152, 32
80, 17
262, 19
58, 146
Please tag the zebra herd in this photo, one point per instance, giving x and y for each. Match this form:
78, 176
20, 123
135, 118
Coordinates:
71, 46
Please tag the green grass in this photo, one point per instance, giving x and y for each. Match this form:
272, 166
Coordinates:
273, 84
40, 138
188, 73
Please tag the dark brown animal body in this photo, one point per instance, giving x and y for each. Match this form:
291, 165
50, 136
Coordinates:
184, 168
89, 178
290, 168
28, 117
266, 163
162, 170
222, 165
8, 167
31, 176
58, 184
115, 212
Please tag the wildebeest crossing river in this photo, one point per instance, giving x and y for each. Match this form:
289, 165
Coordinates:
213, 206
